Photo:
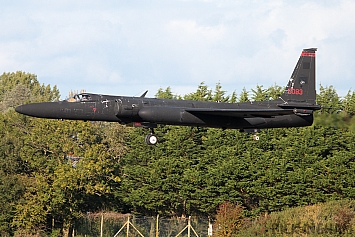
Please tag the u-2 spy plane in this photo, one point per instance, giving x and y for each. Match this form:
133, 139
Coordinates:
294, 108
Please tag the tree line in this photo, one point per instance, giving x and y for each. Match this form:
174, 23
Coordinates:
53, 172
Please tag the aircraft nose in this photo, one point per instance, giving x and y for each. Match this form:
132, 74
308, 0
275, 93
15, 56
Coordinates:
29, 109
40, 110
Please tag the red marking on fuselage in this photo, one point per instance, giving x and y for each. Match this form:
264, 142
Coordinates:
308, 54
93, 108
137, 124
292, 91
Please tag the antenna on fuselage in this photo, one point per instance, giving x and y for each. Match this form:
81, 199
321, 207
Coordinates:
144, 94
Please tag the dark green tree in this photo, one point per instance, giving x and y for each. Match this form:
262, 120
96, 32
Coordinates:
19, 88
70, 171
329, 99
349, 103
219, 94
260, 94
244, 96
15, 89
165, 94
203, 93
275, 91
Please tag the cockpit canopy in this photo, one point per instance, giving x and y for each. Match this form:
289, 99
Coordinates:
83, 97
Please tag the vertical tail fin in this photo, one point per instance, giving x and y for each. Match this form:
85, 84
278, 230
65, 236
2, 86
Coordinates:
302, 85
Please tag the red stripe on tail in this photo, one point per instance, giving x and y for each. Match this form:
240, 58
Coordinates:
308, 54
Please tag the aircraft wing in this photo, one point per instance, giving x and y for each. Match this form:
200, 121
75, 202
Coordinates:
240, 113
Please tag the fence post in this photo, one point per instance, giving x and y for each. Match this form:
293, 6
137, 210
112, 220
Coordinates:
210, 230
102, 225
189, 227
127, 228
157, 227
128, 222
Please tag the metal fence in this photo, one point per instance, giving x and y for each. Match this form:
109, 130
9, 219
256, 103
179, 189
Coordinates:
124, 225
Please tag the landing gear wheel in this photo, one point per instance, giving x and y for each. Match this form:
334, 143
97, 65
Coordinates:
256, 137
151, 139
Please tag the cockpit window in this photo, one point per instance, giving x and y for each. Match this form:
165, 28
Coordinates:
79, 98
84, 97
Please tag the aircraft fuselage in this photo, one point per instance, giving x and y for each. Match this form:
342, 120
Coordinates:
294, 108
165, 111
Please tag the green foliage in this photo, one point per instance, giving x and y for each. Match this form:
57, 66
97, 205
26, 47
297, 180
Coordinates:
229, 220
155, 183
244, 97
56, 187
329, 100
275, 91
219, 94
233, 97
349, 103
11, 189
19, 88
333, 218
202, 93
12, 183
43, 189
259, 94
335, 112
165, 94
191, 171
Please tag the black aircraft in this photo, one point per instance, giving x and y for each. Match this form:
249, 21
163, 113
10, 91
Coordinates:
294, 108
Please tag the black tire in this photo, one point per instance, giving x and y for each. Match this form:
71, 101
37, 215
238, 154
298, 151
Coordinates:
151, 139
